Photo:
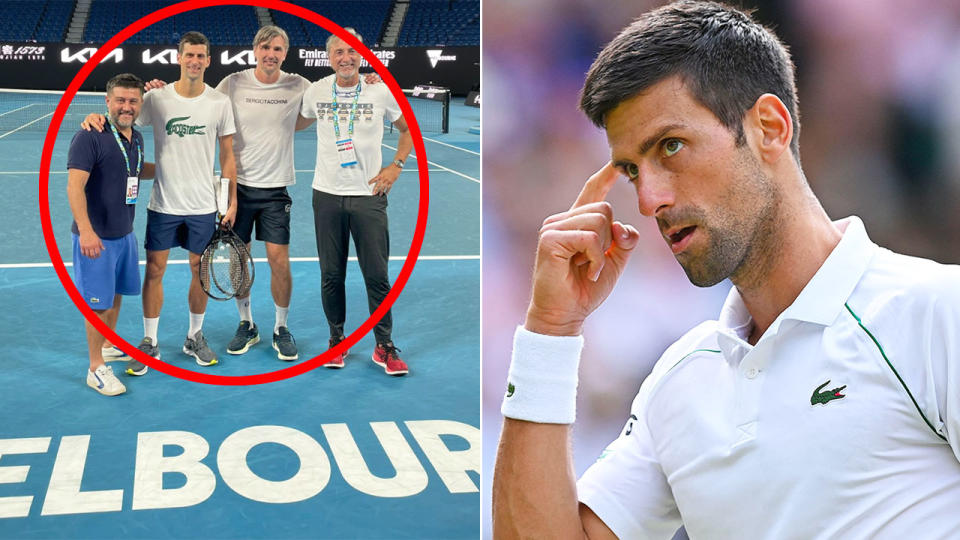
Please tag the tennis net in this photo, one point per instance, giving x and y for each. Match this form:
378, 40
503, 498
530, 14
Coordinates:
431, 106
32, 110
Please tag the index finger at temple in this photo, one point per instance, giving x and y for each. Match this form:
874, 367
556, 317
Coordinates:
597, 186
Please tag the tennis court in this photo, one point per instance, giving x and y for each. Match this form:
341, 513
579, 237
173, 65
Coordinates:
329, 454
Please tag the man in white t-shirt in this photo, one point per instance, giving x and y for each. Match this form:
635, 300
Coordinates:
825, 400
188, 119
350, 188
266, 104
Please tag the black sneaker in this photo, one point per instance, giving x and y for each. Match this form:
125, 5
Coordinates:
285, 345
247, 336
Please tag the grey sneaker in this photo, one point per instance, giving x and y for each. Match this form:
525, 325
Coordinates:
285, 345
197, 347
135, 367
247, 336
149, 348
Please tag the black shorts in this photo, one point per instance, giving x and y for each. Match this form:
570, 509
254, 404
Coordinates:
268, 208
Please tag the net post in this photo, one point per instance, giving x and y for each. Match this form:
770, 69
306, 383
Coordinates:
445, 126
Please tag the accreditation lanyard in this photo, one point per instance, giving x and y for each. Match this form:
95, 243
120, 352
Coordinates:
336, 112
133, 179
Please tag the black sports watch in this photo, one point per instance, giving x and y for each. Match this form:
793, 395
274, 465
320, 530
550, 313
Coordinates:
398, 163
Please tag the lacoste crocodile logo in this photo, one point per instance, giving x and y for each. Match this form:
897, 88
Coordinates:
826, 396
510, 389
173, 128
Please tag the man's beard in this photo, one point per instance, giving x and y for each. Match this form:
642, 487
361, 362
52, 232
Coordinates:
744, 234
115, 120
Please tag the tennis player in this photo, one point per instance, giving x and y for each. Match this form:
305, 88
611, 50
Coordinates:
825, 400
350, 188
188, 119
104, 172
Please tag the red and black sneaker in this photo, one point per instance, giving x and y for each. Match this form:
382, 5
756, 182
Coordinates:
337, 361
385, 355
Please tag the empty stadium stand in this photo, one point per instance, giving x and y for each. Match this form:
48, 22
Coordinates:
368, 17
441, 22
223, 25
421, 22
34, 20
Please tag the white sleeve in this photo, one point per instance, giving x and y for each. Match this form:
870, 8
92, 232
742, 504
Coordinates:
391, 107
626, 488
306, 109
226, 126
944, 367
146, 110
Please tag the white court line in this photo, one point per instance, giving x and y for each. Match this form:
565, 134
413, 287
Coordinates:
452, 146
414, 156
25, 125
405, 170
263, 260
20, 109
218, 172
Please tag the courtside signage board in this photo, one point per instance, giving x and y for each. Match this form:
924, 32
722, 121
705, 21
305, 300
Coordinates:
51, 66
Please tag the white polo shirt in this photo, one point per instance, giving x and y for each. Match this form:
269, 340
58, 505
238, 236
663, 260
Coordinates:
739, 441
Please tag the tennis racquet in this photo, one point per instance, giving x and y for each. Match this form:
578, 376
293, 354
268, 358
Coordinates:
226, 267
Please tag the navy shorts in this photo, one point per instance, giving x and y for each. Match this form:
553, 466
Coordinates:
193, 233
115, 271
268, 208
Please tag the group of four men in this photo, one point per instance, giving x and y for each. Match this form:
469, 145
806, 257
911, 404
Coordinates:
253, 114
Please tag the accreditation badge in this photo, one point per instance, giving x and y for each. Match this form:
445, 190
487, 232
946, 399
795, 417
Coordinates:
347, 153
133, 186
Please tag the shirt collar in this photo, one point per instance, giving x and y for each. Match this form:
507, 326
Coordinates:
823, 297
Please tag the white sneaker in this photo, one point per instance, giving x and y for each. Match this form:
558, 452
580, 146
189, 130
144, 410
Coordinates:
104, 381
112, 353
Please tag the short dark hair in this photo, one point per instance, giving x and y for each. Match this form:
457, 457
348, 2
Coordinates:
726, 59
193, 38
125, 80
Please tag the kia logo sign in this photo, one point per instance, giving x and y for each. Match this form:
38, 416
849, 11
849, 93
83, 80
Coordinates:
244, 58
166, 56
84, 55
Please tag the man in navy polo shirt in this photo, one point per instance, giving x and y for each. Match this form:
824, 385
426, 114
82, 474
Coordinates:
102, 186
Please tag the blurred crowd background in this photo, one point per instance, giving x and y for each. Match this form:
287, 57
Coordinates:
879, 88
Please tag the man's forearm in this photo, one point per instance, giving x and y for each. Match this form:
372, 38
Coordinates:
534, 486
228, 169
404, 145
77, 198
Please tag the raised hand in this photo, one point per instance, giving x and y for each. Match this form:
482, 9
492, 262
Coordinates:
95, 121
580, 256
153, 84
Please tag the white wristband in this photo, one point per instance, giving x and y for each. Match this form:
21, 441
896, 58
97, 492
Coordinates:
542, 384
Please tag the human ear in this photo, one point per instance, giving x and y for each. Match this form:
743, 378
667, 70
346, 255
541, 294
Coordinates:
770, 122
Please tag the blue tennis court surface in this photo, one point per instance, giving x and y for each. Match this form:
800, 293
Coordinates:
348, 453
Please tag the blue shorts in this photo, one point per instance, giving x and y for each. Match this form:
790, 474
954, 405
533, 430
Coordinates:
193, 233
114, 272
